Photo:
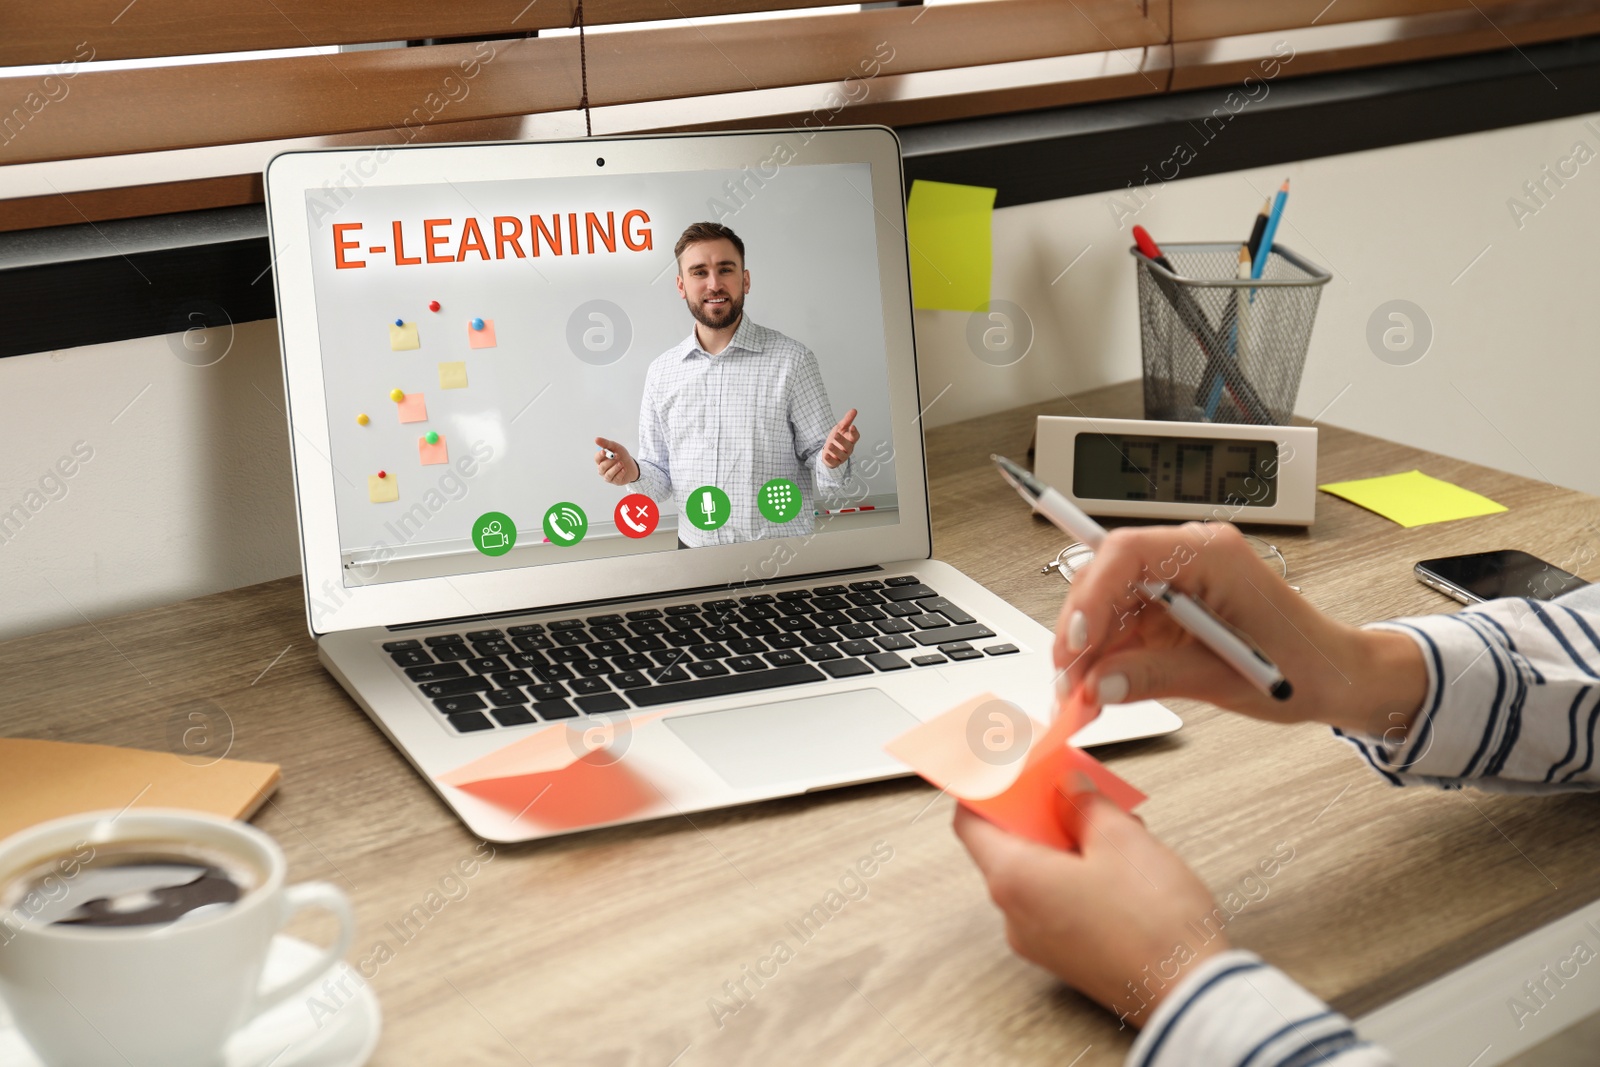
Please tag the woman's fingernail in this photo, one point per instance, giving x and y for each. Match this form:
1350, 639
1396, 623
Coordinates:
1077, 631
1111, 689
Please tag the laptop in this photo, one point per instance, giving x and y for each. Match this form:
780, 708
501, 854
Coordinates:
548, 470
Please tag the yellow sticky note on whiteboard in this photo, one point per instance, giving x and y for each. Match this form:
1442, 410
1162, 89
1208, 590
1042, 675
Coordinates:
1414, 498
403, 337
452, 376
949, 233
385, 490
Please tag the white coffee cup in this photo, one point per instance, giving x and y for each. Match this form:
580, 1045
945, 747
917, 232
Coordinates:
166, 995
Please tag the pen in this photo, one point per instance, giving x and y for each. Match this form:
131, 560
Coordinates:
1230, 646
1259, 228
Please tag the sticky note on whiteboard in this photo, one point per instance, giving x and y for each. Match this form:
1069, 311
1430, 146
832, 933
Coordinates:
384, 490
403, 337
413, 408
452, 376
431, 454
483, 338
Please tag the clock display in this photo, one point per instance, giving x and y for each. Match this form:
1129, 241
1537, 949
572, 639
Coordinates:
1186, 470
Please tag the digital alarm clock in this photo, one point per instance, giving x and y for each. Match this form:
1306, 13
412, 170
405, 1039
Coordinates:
1141, 469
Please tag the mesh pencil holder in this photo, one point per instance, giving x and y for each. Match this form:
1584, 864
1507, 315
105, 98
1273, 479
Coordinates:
1219, 348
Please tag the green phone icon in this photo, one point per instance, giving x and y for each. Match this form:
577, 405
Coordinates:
565, 523
707, 508
779, 500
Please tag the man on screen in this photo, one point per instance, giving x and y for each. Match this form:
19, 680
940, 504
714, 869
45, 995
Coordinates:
734, 405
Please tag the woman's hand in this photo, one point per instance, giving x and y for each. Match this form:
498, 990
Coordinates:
1121, 921
1123, 646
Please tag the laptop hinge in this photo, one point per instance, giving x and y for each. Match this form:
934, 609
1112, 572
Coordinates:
583, 605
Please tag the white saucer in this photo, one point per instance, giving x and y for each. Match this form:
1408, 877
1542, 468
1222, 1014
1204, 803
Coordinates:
286, 1036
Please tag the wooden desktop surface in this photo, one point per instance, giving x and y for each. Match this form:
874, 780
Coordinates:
614, 947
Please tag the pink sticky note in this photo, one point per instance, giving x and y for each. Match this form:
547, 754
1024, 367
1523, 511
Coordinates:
413, 408
553, 748
431, 454
983, 752
483, 338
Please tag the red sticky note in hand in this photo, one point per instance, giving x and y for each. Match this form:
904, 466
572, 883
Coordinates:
986, 754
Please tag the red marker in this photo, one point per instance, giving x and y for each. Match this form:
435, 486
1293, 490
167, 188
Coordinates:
1148, 247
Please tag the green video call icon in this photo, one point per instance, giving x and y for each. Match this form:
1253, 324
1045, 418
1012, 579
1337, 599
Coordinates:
565, 523
707, 508
779, 500
494, 534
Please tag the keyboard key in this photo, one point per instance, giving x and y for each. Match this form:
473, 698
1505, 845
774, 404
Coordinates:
927, 622
442, 639
606, 649
648, 626
857, 648
648, 643
413, 657
720, 633
902, 610
673, 672
789, 609
758, 628
870, 583
555, 709
516, 716
527, 660
908, 592
547, 691
757, 612
668, 656
866, 614
630, 680
604, 620
746, 663
719, 606
1000, 650
685, 623
784, 641
457, 705
587, 686
846, 668
887, 661
830, 618
708, 669
820, 652
507, 698
533, 642
747, 646
568, 655
829, 603
945, 608
784, 658
491, 648
644, 613
795, 623
756, 598
590, 668
569, 638
683, 609
487, 664
903, 579
511, 679
401, 646
970, 653
526, 630
470, 722
970, 632
684, 638
635, 662
436, 672
894, 642
726, 685
865, 599
599, 705
453, 687
555, 672
451, 652
790, 595
857, 631
928, 661
484, 635
566, 624
609, 633
894, 626
955, 646
820, 636
711, 650
828, 590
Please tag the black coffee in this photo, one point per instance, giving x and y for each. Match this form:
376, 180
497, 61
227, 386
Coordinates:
133, 883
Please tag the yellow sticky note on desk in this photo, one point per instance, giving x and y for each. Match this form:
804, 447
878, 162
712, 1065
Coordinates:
1414, 498
949, 233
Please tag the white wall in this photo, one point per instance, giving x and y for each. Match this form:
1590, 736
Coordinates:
188, 489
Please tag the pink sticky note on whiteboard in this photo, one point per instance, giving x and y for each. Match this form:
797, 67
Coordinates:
483, 338
985, 754
431, 454
413, 408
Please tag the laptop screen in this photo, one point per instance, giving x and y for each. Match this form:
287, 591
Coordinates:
526, 371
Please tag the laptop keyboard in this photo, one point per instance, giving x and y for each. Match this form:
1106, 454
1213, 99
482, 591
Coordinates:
601, 664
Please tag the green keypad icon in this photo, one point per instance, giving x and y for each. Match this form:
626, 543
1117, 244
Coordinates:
779, 500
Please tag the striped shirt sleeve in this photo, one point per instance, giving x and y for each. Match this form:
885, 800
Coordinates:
655, 468
1235, 1011
1512, 705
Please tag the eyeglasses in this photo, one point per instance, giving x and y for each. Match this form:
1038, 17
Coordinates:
1070, 560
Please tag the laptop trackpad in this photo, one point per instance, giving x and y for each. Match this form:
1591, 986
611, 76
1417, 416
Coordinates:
837, 736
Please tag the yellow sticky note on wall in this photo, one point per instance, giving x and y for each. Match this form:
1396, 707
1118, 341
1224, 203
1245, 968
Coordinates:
948, 228
403, 337
452, 376
382, 489
1414, 498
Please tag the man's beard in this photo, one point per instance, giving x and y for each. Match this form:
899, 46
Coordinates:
735, 308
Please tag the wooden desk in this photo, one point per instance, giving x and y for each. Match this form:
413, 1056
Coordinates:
606, 948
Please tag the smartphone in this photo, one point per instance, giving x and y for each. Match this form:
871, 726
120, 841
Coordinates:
1479, 576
